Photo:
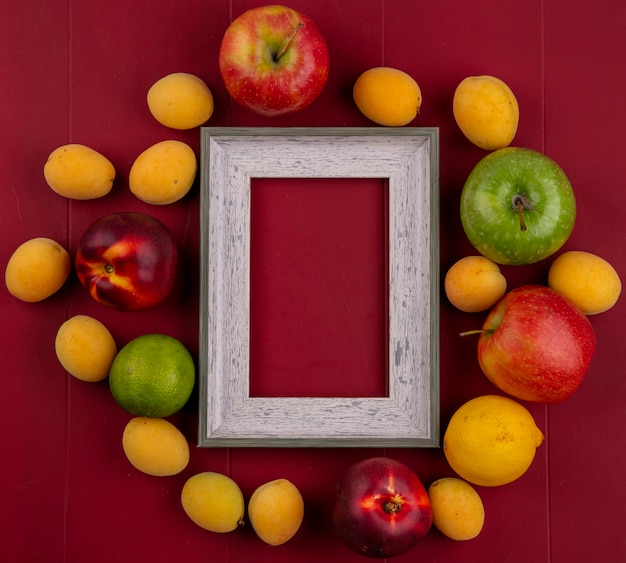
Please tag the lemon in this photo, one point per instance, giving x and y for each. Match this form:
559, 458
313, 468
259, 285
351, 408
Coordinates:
180, 101
276, 510
387, 96
77, 171
163, 173
85, 348
486, 111
491, 440
155, 446
213, 501
458, 510
153, 375
37, 269
587, 280
474, 284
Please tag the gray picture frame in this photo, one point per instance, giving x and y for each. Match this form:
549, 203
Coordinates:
409, 159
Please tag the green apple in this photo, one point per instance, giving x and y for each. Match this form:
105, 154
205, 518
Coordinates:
517, 206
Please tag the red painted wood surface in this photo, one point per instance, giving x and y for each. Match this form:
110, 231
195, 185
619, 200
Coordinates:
79, 72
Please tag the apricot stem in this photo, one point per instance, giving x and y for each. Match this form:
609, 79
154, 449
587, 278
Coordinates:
288, 43
519, 202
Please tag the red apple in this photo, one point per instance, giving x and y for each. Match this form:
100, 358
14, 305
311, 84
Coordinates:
381, 509
536, 345
273, 60
127, 261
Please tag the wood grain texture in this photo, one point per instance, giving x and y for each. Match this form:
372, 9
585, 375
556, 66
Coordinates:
409, 416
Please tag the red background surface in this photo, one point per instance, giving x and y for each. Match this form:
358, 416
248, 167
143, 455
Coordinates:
79, 72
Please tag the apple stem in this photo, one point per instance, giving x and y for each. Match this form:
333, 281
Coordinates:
519, 202
475, 331
288, 43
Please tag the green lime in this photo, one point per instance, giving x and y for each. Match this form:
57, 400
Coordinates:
153, 375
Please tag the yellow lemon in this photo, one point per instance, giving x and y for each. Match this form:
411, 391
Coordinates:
587, 280
180, 101
276, 510
458, 510
155, 446
77, 171
213, 501
486, 111
163, 173
37, 268
491, 440
153, 375
85, 348
387, 96
474, 284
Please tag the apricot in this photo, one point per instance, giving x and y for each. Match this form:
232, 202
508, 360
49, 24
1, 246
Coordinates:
474, 284
85, 348
276, 511
213, 501
77, 171
163, 173
37, 269
180, 101
388, 96
155, 446
486, 111
587, 280
458, 510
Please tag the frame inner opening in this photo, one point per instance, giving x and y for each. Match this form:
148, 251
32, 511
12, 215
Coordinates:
319, 287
